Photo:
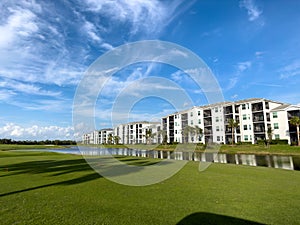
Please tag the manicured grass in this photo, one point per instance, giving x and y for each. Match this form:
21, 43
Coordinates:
5, 147
50, 188
261, 149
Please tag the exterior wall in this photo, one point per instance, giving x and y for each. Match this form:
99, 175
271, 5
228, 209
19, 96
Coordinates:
218, 124
282, 130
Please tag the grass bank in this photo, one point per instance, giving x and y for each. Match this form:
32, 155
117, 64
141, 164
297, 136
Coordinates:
248, 149
49, 188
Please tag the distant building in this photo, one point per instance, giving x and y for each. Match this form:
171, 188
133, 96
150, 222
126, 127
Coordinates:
136, 132
98, 136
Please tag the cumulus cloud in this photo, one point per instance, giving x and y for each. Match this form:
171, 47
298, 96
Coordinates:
36, 132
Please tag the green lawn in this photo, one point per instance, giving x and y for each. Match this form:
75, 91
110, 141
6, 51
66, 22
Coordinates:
50, 188
5, 147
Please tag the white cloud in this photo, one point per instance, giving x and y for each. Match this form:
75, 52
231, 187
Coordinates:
239, 69
26, 88
36, 132
290, 70
149, 16
253, 11
91, 30
259, 54
21, 22
6, 95
242, 66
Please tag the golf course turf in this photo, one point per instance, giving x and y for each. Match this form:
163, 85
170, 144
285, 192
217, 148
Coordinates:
51, 188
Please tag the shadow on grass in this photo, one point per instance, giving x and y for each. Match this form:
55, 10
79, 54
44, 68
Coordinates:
57, 168
213, 219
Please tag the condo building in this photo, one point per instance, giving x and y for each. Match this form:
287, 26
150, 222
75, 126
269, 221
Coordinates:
210, 124
138, 132
102, 136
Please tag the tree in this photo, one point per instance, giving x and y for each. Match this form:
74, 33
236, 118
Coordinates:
149, 135
188, 130
233, 125
296, 122
164, 136
270, 134
116, 139
198, 132
109, 139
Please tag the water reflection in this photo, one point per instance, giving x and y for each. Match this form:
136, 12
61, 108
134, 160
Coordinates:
275, 161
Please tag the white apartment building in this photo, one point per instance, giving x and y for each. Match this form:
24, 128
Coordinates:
280, 116
135, 132
254, 116
98, 136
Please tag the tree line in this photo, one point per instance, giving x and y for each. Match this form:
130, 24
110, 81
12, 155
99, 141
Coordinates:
44, 142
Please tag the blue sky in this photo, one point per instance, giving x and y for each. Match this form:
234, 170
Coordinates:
252, 47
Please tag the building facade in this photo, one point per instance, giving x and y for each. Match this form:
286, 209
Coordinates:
138, 132
210, 124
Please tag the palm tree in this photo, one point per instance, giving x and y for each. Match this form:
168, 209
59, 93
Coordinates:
233, 125
296, 122
188, 130
270, 134
163, 134
149, 135
116, 139
198, 132
109, 139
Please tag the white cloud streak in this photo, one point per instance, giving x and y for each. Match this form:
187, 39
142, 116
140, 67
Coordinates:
253, 11
290, 70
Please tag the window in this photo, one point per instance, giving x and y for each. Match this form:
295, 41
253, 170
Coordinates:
175, 123
192, 122
217, 128
250, 128
248, 107
175, 116
245, 127
175, 131
245, 137
276, 126
198, 113
275, 115
217, 119
244, 116
199, 121
243, 106
277, 136
191, 114
216, 109
218, 138
250, 137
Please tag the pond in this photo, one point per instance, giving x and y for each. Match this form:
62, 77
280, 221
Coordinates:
275, 161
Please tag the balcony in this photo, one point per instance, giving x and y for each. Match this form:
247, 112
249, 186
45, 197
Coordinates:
258, 119
256, 107
207, 123
228, 110
207, 113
